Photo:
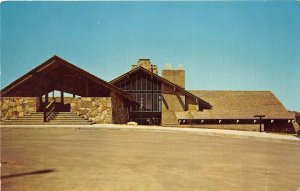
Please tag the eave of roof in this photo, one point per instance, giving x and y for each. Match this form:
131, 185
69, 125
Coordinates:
57, 60
163, 80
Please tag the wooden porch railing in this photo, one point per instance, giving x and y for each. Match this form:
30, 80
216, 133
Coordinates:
49, 110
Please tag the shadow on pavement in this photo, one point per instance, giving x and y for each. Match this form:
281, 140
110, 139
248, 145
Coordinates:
28, 173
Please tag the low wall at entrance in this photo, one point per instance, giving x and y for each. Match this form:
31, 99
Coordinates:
120, 111
13, 107
96, 109
101, 110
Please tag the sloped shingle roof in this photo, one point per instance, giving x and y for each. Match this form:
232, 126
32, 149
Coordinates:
238, 105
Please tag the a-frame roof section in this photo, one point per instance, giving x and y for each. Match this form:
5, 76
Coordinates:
53, 64
162, 80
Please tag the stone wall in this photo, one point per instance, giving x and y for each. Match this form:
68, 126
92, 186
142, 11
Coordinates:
96, 109
120, 110
171, 101
13, 107
175, 76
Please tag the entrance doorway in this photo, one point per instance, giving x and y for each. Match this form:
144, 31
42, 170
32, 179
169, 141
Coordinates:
62, 101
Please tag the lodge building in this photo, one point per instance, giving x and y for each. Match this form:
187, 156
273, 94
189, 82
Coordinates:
140, 95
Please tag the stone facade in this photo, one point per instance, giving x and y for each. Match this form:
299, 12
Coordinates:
101, 110
120, 111
145, 63
96, 109
172, 101
175, 76
13, 107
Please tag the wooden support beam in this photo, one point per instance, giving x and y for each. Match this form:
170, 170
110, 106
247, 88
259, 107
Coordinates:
185, 104
46, 66
260, 121
17, 84
46, 100
40, 104
62, 97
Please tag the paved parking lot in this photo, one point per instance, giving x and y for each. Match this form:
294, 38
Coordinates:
127, 159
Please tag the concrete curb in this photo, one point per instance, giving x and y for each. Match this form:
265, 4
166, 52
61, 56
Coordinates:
213, 132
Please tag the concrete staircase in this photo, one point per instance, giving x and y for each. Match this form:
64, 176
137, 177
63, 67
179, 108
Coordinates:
58, 118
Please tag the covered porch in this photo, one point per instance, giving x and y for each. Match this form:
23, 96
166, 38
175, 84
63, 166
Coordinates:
56, 82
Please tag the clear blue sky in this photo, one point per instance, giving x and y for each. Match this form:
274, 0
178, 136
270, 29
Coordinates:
221, 45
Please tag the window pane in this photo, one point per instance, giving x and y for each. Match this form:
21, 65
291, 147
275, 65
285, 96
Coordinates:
158, 86
154, 84
124, 86
138, 81
144, 83
144, 101
149, 83
138, 101
128, 85
149, 102
155, 99
159, 102
132, 107
134, 83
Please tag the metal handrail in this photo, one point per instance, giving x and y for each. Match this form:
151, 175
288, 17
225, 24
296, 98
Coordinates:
49, 110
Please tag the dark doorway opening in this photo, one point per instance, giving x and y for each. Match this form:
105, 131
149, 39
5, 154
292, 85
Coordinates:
62, 101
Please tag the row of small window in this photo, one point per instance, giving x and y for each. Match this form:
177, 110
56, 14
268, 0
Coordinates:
145, 102
142, 83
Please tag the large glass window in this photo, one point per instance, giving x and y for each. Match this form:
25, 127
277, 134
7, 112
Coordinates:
145, 91
145, 103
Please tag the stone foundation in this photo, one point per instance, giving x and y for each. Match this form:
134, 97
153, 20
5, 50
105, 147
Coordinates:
13, 107
96, 109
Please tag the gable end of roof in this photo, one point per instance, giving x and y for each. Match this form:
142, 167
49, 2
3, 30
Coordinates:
163, 80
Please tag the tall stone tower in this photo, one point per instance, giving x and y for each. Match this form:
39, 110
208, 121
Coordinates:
177, 76
145, 63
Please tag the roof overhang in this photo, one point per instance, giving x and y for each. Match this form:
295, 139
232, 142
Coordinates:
31, 81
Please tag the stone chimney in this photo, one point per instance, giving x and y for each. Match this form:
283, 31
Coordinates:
175, 76
145, 63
